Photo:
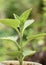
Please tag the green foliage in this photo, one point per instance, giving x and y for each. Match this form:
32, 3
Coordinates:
14, 23
36, 36
28, 52
24, 16
22, 23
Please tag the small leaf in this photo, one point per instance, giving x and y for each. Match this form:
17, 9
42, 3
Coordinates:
13, 38
28, 52
25, 15
27, 23
14, 23
16, 16
14, 53
36, 36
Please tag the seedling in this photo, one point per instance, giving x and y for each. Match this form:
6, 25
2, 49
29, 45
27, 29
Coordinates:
20, 24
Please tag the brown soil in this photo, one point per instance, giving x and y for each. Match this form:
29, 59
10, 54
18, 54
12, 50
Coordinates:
17, 63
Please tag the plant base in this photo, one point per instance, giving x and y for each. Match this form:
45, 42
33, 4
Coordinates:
17, 63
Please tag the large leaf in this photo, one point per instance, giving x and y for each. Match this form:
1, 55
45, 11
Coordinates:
28, 52
25, 15
14, 23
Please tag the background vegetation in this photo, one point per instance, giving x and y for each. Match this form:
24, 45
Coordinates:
7, 8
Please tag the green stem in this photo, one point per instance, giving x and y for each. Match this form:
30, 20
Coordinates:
20, 60
20, 63
21, 49
18, 31
21, 39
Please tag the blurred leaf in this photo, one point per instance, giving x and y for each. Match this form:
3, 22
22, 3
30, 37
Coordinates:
9, 45
29, 38
16, 16
14, 23
44, 48
36, 36
4, 57
11, 39
25, 15
28, 52
14, 53
3, 51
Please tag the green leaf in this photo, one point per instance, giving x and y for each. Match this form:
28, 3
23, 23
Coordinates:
14, 53
31, 37
4, 57
16, 16
7, 44
11, 39
36, 36
14, 23
25, 15
27, 23
3, 51
28, 52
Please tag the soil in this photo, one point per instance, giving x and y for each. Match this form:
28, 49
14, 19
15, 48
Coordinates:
17, 63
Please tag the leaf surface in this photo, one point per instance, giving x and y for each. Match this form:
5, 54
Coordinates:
27, 23
25, 15
14, 23
28, 52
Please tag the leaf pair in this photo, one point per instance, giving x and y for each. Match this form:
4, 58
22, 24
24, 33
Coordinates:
18, 53
14, 23
24, 23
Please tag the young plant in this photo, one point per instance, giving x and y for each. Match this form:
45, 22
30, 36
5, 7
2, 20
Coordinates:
20, 24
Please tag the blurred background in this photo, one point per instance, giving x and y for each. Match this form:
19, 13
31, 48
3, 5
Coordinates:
7, 8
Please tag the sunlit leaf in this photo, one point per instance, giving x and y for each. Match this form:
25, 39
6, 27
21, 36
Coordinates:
25, 15
27, 23
14, 23
13, 38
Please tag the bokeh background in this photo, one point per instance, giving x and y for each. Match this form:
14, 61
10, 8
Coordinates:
7, 8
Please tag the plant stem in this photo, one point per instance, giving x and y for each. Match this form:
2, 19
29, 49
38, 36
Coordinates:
21, 49
20, 62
